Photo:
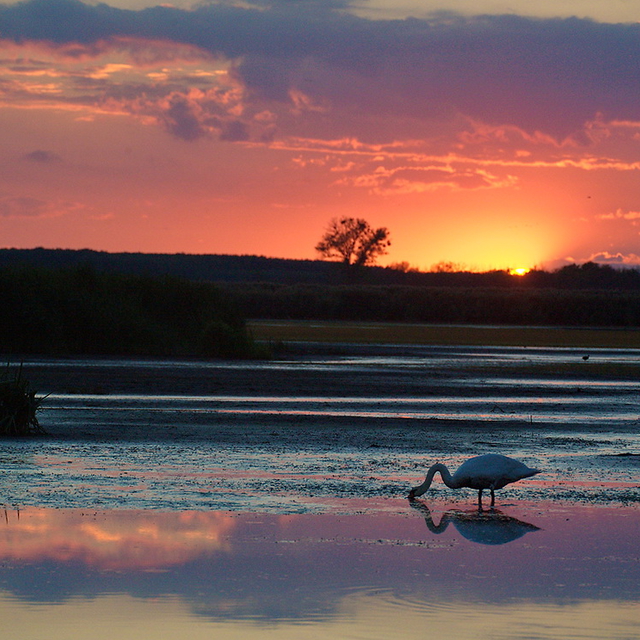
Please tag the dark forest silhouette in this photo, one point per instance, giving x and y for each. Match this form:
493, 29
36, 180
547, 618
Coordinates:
87, 302
248, 268
78, 310
440, 305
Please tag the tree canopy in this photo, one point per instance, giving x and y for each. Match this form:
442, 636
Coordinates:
353, 241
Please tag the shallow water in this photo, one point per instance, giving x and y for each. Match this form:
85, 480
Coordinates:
239, 500
470, 383
528, 571
287, 436
598, 404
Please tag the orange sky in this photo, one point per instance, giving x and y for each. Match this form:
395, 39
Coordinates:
491, 142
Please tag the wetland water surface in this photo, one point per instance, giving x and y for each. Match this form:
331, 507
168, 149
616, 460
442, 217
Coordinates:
527, 571
236, 500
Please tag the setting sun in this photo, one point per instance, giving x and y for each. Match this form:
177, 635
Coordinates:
520, 271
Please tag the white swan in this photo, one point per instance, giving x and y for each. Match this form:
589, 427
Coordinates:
491, 471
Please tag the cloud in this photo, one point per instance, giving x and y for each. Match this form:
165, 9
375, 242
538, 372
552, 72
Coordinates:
197, 115
42, 157
548, 76
604, 257
29, 207
406, 180
23, 207
181, 118
619, 214
191, 114
234, 131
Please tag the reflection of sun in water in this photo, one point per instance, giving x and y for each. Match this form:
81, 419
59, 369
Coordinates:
520, 271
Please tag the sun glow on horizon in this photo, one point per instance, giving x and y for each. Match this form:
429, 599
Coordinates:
520, 271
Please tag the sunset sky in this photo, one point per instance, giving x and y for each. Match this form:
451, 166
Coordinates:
491, 134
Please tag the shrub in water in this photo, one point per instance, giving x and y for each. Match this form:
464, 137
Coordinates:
18, 405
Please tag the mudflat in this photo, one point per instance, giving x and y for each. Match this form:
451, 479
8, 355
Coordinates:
327, 422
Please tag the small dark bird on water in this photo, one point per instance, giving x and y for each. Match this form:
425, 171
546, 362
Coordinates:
585, 358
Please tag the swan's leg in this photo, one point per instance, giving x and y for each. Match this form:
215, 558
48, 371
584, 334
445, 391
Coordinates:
493, 497
480, 499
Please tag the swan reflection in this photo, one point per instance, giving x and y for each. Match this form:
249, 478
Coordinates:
484, 527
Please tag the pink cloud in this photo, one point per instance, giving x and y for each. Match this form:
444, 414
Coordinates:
29, 207
546, 76
604, 257
405, 180
619, 214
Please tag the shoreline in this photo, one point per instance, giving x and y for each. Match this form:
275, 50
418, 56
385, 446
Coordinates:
381, 333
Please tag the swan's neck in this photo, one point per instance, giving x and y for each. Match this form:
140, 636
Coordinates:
444, 473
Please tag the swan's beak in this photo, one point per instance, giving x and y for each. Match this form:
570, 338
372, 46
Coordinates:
412, 494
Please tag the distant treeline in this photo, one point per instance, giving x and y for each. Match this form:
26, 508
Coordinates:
440, 305
80, 311
259, 269
199, 268
88, 302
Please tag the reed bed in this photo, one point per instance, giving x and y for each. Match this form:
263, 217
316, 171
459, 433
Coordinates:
18, 405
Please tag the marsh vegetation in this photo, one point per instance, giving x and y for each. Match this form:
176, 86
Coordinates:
18, 405
477, 305
80, 311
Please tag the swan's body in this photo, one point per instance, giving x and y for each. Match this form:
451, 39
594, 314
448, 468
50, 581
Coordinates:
491, 471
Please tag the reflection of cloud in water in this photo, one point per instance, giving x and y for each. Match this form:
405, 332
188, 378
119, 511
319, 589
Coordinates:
114, 540
484, 527
249, 571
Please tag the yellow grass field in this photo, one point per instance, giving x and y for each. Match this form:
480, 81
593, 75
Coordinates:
390, 333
